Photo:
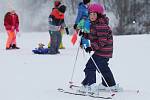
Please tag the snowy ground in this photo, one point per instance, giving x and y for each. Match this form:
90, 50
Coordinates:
25, 76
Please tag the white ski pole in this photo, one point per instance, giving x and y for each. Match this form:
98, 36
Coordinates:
71, 79
74, 65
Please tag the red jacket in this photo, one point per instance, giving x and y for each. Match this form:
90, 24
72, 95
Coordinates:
56, 14
11, 20
57, 18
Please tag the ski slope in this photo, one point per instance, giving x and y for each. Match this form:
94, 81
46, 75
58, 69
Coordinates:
26, 76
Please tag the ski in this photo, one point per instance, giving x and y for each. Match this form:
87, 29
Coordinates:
82, 94
126, 90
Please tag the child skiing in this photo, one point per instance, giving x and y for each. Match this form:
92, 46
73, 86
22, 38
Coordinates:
56, 25
11, 23
102, 44
82, 22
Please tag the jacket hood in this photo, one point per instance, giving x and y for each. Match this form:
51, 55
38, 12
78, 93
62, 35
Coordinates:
103, 19
81, 5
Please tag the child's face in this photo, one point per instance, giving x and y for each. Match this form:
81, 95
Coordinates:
93, 16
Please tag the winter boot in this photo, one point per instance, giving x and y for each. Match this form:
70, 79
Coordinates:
93, 89
115, 88
101, 87
61, 46
15, 47
8, 48
48, 45
83, 89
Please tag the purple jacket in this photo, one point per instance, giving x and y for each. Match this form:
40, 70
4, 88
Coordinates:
101, 37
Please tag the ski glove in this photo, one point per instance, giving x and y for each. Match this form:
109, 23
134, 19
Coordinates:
17, 30
88, 49
12, 28
67, 31
81, 33
75, 26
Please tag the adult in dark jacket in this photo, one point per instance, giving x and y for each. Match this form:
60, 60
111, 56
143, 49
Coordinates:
57, 4
56, 25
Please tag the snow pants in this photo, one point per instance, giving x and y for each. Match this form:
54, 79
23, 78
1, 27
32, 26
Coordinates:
90, 71
55, 42
61, 46
11, 38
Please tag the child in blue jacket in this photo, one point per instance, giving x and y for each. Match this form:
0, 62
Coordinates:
82, 22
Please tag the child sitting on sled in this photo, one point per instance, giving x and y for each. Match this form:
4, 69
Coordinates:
40, 49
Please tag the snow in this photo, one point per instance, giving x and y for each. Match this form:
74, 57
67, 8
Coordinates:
25, 76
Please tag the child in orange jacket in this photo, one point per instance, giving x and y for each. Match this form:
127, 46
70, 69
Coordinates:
11, 23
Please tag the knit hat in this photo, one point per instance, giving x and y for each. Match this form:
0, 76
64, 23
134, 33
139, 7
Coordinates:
62, 8
97, 8
86, 1
57, 3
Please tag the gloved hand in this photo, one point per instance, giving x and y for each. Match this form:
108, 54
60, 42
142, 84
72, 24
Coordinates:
17, 30
58, 28
75, 26
67, 31
50, 18
81, 33
88, 49
81, 44
61, 30
12, 28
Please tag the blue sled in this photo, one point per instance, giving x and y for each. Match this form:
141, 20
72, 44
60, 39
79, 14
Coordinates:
40, 51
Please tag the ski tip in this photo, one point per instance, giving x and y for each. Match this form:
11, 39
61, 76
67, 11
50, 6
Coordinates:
71, 86
113, 94
70, 82
60, 89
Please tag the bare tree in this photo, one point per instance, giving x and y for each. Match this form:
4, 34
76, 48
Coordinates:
73, 5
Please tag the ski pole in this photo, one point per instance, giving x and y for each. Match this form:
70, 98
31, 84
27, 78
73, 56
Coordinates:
75, 62
74, 65
112, 94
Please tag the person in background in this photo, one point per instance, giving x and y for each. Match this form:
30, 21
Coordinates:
11, 23
56, 5
82, 22
56, 25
